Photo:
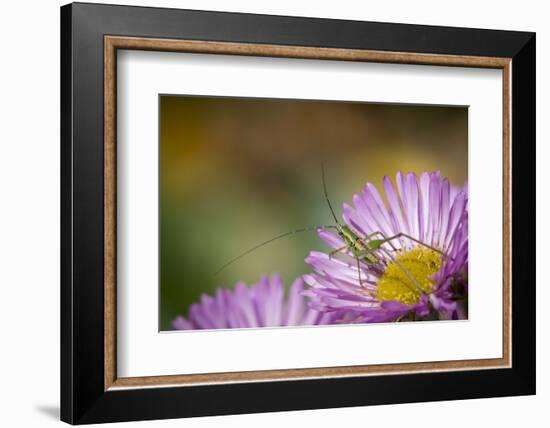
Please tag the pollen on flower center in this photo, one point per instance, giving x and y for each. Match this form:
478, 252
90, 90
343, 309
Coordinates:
396, 284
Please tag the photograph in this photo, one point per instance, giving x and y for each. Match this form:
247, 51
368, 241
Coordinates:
269, 210
293, 212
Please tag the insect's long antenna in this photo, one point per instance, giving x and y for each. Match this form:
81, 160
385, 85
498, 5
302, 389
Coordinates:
326, 194
269, 241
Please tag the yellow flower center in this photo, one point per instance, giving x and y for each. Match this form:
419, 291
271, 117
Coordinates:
397, 281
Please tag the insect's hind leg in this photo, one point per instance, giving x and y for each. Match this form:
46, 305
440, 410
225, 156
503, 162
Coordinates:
405, 271
404, 235
373, 234
393, 259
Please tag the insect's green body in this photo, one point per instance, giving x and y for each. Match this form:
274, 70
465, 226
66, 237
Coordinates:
357, 245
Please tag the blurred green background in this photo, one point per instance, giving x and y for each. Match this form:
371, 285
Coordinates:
237, 171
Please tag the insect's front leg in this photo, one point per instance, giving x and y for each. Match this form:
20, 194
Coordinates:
361, 256
374, 244
359, 272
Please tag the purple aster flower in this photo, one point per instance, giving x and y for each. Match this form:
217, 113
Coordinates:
260, 305
401, 279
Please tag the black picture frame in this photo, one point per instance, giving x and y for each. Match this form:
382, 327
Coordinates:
83, 396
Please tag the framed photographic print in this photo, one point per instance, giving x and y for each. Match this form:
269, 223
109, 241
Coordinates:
265, 213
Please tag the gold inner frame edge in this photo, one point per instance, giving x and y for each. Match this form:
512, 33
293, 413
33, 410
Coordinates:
113, 43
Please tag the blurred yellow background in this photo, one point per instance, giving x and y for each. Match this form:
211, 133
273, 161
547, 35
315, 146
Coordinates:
237, 171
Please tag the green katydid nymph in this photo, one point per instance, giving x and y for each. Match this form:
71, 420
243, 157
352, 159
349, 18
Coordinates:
364, 249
